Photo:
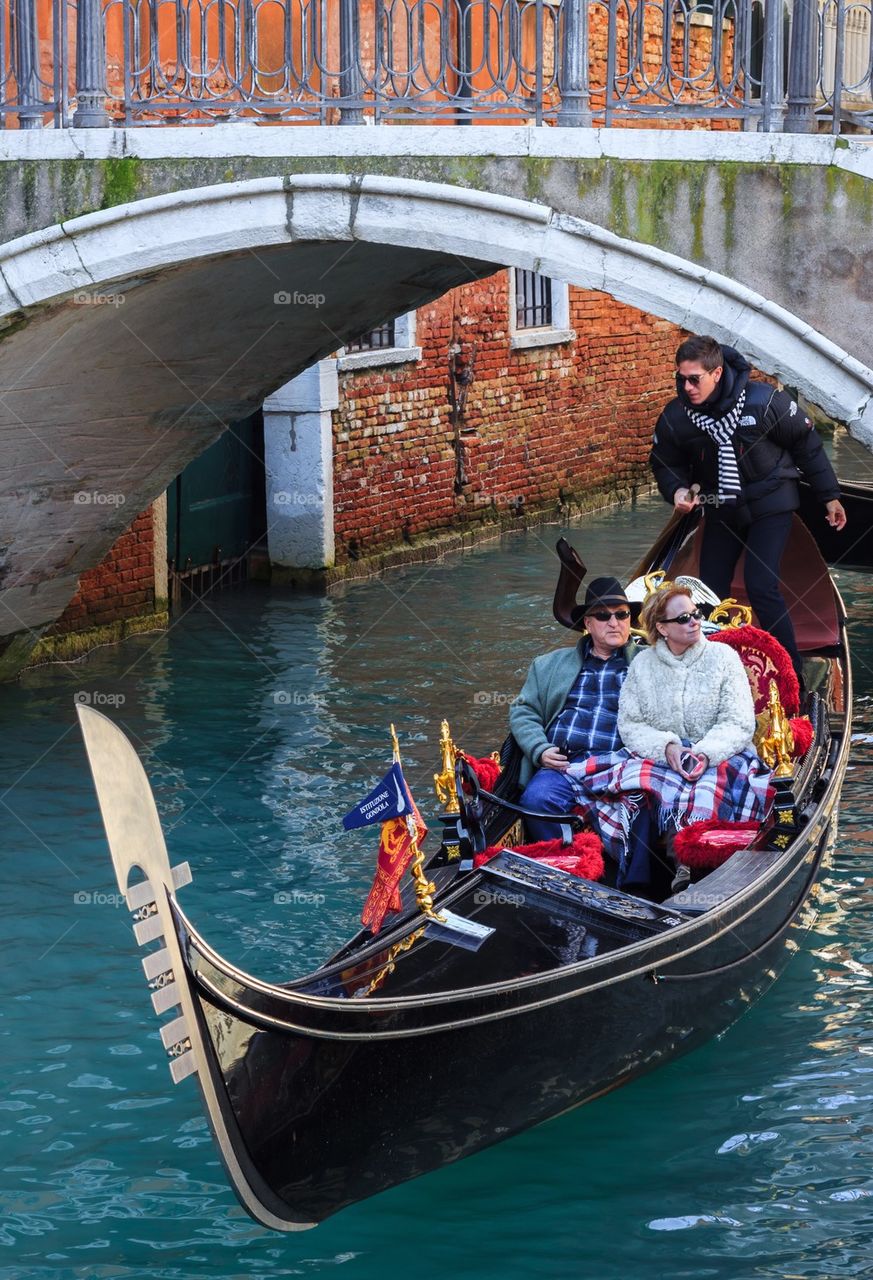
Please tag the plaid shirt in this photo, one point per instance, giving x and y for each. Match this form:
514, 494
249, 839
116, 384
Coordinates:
588, 722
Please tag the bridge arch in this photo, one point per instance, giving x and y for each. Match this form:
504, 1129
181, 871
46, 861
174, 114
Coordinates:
108, 389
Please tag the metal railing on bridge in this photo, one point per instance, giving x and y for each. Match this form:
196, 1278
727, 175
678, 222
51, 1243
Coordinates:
758, 64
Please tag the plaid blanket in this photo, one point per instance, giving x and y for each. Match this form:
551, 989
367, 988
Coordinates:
611, 788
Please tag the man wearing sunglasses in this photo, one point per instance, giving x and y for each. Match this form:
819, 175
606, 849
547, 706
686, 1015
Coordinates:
568, 710
738, 447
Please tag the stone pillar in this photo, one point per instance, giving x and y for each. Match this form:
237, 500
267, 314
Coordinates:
298, 457
26, 54
802, 67
90, 110
575, 108
772, 90
351, 84
159, 535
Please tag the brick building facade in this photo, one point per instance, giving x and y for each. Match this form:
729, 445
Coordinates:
546, 425
557, 417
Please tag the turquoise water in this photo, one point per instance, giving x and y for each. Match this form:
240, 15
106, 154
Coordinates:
260, 717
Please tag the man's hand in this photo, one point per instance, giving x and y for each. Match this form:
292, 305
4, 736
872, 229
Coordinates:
836, 515
686, 500
553, 758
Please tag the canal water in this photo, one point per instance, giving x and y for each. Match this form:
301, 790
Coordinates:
260, 717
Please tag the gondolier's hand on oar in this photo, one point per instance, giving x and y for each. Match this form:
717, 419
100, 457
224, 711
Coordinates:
836, 515
554, 758
686, 500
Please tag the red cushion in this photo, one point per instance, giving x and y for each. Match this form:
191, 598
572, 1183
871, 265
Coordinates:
709, 844
486, 770
765, 659
584, 857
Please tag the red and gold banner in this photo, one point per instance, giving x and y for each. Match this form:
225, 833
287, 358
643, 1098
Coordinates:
396, 851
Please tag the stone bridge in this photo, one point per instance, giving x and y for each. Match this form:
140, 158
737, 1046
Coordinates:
157, 284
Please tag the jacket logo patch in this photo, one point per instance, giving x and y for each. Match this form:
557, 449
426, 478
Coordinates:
793, 408
747, 421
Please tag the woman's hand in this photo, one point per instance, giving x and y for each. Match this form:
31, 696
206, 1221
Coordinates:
688, 764
700, 765
554, 758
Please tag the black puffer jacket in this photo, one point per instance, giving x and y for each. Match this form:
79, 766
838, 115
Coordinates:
774, 443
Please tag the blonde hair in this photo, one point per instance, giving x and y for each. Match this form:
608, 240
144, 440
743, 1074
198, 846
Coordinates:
657, 606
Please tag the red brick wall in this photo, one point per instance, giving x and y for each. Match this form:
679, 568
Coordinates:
546, 424
122, 586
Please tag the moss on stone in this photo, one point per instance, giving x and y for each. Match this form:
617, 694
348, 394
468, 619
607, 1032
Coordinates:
29, 187
15, 655
726, 175
75, 644
121, 180
536, 174
618, 215
13, 324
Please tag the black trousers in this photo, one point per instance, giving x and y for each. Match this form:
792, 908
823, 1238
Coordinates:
724, 539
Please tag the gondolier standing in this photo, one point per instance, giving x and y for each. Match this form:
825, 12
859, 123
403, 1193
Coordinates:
737, 447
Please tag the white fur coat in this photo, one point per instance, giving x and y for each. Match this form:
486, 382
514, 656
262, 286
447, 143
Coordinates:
703, 696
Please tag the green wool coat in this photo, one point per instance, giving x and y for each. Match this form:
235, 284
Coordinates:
549, 679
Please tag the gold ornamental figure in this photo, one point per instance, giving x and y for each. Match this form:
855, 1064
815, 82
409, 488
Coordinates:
776, 744
444, 781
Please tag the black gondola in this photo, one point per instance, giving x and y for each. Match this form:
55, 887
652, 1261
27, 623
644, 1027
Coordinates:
849, 548
397, 1056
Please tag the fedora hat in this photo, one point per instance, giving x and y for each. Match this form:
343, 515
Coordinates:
598, 592
601, 591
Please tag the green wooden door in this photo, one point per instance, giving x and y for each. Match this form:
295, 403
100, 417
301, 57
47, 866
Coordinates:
216, 506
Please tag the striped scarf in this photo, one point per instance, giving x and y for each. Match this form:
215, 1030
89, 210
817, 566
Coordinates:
721, 431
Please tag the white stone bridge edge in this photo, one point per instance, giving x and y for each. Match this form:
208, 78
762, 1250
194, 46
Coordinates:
165, 231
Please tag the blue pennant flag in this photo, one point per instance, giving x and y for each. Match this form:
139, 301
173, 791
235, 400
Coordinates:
389, 799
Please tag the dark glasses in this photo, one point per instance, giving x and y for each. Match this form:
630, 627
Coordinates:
684, 618
603, 615
693, 378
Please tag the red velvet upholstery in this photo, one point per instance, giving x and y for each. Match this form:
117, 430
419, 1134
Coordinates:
765, 659
584, 857
708, 844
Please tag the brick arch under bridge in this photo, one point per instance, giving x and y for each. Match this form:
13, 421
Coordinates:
129, 338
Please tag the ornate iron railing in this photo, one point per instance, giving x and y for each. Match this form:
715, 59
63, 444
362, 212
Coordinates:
728, 63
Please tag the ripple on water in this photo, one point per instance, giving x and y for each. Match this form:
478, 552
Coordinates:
751, 1157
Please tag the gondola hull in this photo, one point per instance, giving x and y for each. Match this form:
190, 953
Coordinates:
445, 1081
849, 548
405, 1053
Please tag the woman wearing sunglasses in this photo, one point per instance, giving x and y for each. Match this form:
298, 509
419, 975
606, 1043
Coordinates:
738, 447
686, 717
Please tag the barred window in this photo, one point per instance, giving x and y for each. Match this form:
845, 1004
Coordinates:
374, 339
533, 300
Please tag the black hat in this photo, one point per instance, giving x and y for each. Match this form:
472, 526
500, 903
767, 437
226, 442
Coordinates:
603, 591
